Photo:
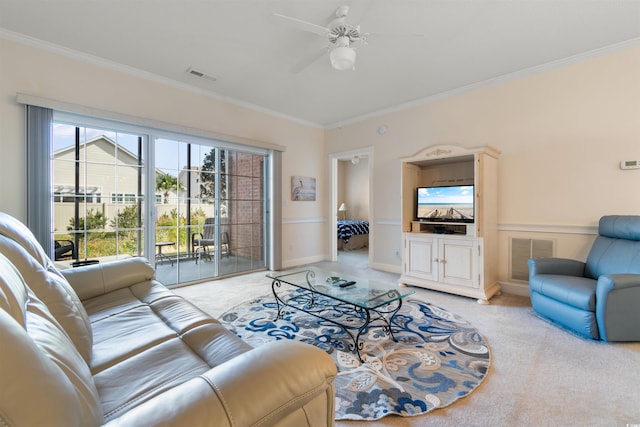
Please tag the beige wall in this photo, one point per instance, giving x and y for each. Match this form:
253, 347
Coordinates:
42, 73
562, 134
342, 198
353, 188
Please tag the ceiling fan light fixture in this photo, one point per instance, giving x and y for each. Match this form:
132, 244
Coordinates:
343, 58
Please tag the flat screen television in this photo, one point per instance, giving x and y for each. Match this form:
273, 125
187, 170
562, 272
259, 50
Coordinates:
445, 203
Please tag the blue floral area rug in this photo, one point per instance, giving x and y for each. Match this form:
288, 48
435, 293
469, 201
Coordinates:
439, 357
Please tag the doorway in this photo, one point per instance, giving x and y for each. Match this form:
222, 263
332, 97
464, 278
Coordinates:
351, 199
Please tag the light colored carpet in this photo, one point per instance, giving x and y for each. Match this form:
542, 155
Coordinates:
438, 357
540, 375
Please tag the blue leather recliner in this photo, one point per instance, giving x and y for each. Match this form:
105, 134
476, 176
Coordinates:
599, 298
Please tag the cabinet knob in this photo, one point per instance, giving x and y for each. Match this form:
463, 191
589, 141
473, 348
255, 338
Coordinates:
436, 260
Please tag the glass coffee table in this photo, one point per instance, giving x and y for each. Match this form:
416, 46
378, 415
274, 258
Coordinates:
352, 303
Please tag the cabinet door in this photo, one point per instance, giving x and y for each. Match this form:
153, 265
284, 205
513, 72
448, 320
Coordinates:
419, 257
458, 262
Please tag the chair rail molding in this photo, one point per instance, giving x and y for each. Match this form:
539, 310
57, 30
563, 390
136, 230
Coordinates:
550, 228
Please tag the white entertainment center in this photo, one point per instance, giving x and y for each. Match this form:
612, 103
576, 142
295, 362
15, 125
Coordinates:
449, 255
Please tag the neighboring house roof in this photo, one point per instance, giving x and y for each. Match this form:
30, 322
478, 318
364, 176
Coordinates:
95, 141
104, 139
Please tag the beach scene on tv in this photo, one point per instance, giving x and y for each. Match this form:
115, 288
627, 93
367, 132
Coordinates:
453, 203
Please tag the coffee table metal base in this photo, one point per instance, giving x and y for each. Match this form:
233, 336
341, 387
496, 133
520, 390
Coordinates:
354, 319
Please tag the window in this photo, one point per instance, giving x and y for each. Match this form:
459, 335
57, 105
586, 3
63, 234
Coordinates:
201, 191
128, 198
87, 162
66, 194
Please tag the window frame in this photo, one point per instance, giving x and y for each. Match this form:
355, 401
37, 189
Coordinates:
151, 196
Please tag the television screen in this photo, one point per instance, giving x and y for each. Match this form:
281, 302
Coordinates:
451, 203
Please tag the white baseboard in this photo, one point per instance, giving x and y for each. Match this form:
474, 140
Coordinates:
302, 261
521, 289
391, 268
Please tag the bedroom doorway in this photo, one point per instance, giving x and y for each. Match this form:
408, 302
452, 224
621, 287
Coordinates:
352, 200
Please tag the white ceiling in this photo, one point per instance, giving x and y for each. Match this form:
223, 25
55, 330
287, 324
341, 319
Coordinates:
251, 52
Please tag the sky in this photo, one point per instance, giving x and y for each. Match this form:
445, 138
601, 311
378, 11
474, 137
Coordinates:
171, 156
447, 195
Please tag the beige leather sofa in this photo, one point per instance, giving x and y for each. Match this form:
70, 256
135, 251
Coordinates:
108, 345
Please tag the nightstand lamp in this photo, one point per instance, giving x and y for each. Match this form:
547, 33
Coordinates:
343, 209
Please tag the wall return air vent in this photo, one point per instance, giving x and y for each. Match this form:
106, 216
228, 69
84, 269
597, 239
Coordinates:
522, 250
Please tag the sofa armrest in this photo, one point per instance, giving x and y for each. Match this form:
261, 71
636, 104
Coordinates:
561, 266
270, 385
97, 279
617, 301
291, 375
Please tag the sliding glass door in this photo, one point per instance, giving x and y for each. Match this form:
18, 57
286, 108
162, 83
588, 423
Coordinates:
242, 221
194, 207
212, 212
98, 200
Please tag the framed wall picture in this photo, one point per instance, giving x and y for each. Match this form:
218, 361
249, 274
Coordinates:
303, 188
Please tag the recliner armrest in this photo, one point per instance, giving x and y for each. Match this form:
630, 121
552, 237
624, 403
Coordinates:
617, 299
260, 387
609, 282
97, 279
561, 266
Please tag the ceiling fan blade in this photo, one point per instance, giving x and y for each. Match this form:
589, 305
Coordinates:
308, 60
367, 36
304, 25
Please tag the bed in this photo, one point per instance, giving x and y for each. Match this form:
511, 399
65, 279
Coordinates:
353, 235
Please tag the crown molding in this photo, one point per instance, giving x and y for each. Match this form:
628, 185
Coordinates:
526, 72
136, 72
92, 59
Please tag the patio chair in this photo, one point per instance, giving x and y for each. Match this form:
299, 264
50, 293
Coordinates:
64, 249
205, 244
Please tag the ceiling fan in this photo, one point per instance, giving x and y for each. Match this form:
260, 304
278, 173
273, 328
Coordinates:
341, 36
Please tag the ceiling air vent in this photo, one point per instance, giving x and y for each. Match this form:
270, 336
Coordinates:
201, 74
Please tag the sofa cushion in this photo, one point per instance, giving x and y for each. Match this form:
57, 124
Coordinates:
148, 374
157, 369
130, 320
55, 292
43, 365
579, 292
155, 339
119, 337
